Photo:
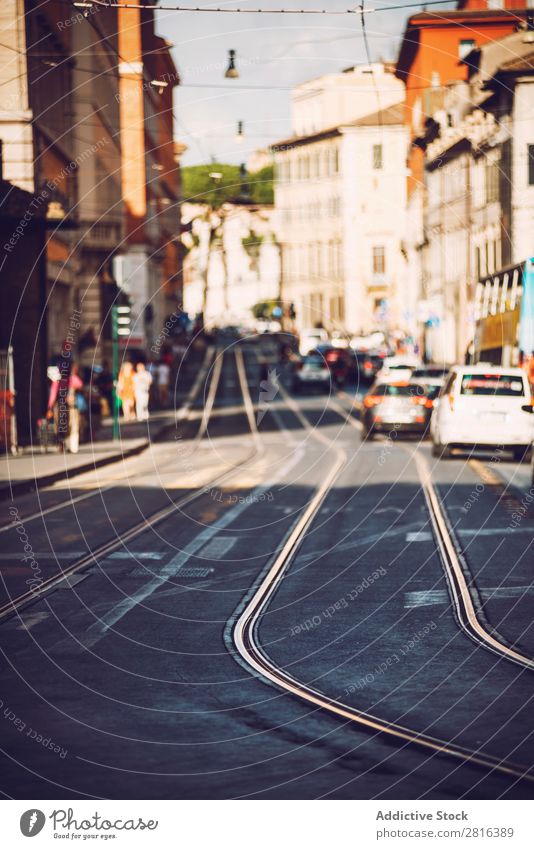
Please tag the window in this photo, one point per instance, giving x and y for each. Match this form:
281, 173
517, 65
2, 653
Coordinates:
492, 181
495, 4
435, 79
531, 164
379, 259
336, 160
465, 46
478, 262
377, 157
492, 384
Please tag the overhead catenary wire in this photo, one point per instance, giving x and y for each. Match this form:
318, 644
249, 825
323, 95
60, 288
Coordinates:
89, 4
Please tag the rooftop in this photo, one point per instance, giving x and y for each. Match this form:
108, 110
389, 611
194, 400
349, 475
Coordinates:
389, 117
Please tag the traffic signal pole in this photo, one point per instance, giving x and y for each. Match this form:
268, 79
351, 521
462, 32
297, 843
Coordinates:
120, 326
115, 368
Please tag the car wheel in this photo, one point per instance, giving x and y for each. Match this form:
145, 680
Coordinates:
442, 451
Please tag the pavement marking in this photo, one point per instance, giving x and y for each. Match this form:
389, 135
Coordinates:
71, 580
419, 536
42, 555
194, 572
31, 621
424, 598
218, 547
507, 592
139, 555
488, 532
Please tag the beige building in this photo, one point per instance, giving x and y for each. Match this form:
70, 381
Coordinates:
480, 188
241, 266
340, 200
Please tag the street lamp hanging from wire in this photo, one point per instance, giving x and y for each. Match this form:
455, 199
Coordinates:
231, 72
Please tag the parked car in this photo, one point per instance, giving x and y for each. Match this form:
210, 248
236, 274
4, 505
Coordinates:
310, 338
311, 371
483, 406
401, 406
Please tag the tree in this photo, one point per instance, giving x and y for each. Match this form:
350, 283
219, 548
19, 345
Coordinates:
199, 187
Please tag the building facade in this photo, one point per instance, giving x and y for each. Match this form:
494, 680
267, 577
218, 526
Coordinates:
148, 266
240, 266
340, 200
430, 62
480, 187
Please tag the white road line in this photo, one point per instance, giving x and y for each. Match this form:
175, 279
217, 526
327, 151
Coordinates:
419, 536
217, 548
138, 555
424, 598
31, 621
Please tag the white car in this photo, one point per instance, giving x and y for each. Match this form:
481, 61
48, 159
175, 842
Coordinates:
309, 339
398, 368
483, 406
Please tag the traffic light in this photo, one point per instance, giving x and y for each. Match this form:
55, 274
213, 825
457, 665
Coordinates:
121, 320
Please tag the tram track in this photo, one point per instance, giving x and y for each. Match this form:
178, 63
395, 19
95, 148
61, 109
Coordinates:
245, 632
14, 605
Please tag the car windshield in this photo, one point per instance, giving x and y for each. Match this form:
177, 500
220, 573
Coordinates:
492, 384
314, 362
404, 390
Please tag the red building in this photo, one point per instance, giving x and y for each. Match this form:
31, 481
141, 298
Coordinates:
430, 57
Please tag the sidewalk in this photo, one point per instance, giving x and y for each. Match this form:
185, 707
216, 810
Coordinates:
33, 469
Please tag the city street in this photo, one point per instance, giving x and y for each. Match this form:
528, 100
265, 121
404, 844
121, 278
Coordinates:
262, 604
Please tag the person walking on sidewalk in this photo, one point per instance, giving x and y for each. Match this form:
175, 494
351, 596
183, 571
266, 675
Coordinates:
65, 404
126, 391
142, 381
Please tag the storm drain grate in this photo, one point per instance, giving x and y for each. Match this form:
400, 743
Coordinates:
193, 572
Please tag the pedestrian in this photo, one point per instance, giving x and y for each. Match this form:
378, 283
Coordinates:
126, 391
142, 382
104, 382
164, 377
66, 403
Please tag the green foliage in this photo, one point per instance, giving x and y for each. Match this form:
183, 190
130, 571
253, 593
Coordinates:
199, 187
264, 309
261, 185
252, 242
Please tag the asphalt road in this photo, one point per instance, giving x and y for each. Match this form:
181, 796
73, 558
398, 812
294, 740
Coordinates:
142, 674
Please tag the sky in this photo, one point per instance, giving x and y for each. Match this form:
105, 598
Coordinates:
274, 53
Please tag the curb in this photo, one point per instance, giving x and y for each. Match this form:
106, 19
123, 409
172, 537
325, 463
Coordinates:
31, 484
